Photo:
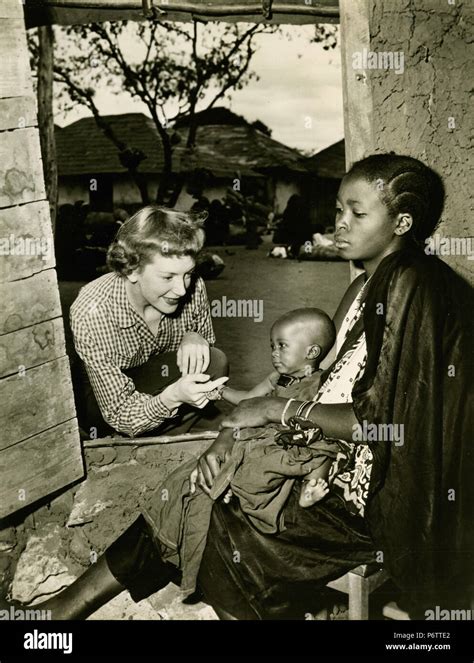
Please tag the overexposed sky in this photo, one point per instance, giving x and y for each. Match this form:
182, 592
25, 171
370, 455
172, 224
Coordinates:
298, 94
299, 98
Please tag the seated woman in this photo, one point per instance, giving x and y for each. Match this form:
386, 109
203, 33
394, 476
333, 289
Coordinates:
403, 329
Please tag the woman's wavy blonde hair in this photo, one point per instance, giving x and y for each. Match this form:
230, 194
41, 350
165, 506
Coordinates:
155, 229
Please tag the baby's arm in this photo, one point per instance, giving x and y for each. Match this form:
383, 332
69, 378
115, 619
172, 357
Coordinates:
263, 388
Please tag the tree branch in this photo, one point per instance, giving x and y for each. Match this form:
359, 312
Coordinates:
233, 81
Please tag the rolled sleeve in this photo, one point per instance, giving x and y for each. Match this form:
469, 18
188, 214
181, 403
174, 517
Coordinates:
156, 410
125, 409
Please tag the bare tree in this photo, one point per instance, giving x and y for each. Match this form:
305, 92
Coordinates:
168, 67
172, 68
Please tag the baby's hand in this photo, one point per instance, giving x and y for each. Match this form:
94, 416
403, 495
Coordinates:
227, 496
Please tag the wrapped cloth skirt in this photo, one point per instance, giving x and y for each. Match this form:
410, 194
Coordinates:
251, 575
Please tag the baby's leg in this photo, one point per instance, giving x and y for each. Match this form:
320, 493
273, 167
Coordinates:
315, 485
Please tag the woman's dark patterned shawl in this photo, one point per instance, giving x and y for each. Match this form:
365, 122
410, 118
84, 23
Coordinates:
418, 320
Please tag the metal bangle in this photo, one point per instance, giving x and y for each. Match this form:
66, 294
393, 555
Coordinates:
300, 410
310, 408
285, 410
303, 408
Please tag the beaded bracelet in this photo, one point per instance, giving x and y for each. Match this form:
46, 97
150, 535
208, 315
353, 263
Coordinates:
215, 394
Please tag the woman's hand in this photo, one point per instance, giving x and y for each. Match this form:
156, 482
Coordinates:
255, 412
209, 463
193, 354
190, 389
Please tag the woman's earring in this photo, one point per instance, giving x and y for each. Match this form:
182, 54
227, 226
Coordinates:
406, 223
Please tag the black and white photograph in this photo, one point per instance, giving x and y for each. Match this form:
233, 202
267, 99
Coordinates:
236, 331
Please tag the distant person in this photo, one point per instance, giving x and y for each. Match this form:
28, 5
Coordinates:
295, 228
201, 205
224, 225
252, 238
234, 210
217, 224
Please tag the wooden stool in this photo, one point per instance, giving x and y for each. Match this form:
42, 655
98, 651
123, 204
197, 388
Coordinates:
358, 584
392, 611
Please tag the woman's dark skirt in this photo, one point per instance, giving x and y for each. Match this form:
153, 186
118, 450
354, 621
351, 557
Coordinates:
248, 574
251, 575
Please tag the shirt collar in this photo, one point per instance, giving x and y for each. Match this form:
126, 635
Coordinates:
123, 311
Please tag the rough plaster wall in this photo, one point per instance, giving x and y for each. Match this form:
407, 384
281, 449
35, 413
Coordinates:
436, 38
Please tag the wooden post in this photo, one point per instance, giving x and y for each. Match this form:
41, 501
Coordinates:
356, 87
46, 117
250, 11
358, 597
40, 450
356, 84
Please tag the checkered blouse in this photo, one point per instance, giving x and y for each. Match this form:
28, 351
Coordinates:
109, 335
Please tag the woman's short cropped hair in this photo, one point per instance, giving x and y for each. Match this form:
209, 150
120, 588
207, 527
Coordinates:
155, 229
406, 185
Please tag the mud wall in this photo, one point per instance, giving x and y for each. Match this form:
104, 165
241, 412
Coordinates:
424, 110
407, 89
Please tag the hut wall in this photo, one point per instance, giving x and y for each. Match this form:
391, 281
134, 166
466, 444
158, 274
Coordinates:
40, 449
425, 107
126, 191
216, 192
71, 190
421, 110
185, 200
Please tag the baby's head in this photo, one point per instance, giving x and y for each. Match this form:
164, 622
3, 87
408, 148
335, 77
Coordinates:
300, 340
